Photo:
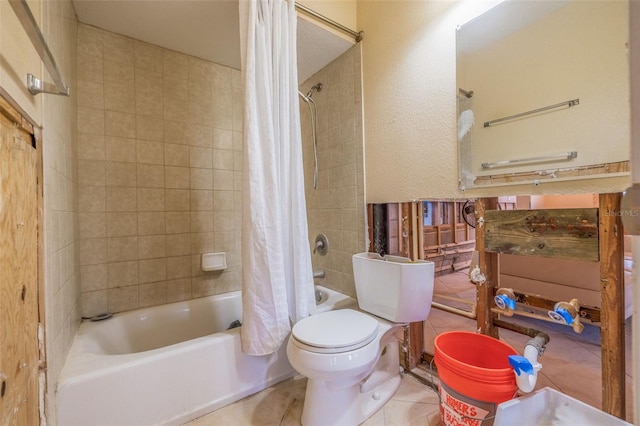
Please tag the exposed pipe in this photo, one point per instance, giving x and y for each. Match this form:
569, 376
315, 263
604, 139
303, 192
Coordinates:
528, 376
473, 314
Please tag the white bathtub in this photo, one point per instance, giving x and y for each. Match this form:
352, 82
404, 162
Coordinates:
167, 364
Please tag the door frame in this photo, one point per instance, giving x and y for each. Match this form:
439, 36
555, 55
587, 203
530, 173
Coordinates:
10, 109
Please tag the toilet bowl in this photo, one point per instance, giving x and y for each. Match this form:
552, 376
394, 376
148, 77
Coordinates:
351, 358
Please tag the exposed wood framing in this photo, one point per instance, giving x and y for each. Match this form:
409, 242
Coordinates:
612, 296
488, 263
557, 233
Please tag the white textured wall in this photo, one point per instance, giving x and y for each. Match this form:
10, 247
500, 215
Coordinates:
409, 91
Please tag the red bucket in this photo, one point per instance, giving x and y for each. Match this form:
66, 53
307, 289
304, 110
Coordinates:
475, 376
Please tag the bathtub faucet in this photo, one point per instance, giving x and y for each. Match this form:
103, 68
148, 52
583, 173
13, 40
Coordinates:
318, 273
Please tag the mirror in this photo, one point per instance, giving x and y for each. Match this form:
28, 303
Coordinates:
543, 92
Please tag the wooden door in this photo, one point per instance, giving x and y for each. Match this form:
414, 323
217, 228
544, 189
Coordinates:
19, 353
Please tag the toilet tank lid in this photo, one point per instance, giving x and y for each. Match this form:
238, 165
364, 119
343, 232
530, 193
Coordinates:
335, 329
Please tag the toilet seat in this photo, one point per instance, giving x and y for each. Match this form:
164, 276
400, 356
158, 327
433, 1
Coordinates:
335, 331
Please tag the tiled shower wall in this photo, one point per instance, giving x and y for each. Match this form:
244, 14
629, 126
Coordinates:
336, 208
159, 171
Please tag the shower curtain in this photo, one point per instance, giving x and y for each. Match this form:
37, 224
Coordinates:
277, 279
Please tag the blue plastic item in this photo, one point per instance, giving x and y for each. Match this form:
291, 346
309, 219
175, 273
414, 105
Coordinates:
502, 301
566, 316
520, 363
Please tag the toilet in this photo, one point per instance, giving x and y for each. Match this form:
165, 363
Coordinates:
350, 357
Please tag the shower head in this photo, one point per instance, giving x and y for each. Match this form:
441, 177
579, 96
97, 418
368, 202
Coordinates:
317, 87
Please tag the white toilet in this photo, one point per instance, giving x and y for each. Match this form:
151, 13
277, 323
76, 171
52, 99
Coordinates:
350, 357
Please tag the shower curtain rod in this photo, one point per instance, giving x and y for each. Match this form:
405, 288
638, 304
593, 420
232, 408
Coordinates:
357, 35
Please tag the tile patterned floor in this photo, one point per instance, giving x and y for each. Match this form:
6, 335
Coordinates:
571, 364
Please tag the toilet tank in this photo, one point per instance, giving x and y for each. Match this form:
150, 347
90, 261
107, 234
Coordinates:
392, 287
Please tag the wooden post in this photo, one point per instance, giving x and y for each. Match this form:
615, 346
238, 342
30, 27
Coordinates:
488, 263
612, 296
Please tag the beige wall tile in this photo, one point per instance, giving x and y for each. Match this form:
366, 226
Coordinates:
91, 172
153, 294
91, 147
177, 177
148, 91
178, 267
178, 222
150, 199
121, 174
94, 303
93, 277
151, 223
121, 199
178, 244
202, 221
175, 109
122, 298
202, 286
151, 246
176, 155
149, 57
91, 121
119, 96
222, 200
201, 242
223, 180
237, 141
92, 225
122, 224
121, 274
177, 199
199, 135
118, 48
148, 152
120, 124
150, 176
93, 251
201, 157
202, 200
176, 132
175, 89
90, 68
120, 149
223, 159
91, 198
90, 94
223, 139
152, 270
178, 290
175, 63
227, 221
120, 249
201, 179
90, 41
149, 128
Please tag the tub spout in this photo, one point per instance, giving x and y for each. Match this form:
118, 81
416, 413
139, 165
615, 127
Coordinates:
318, 273
526, 367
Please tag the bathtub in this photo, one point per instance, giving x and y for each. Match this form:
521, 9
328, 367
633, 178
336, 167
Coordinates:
167, 364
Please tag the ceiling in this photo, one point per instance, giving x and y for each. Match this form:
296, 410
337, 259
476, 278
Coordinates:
207, 29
